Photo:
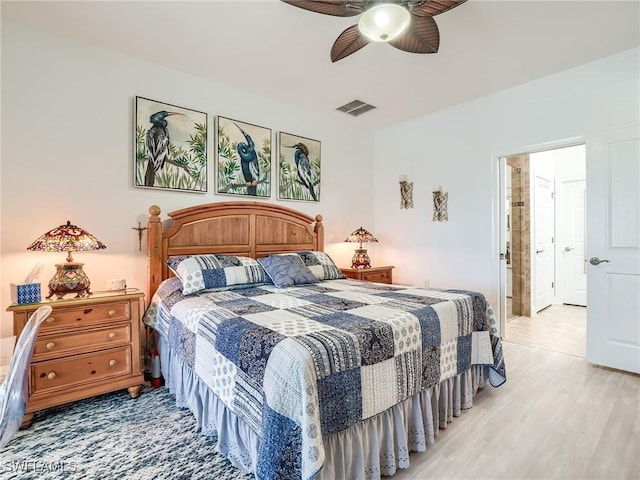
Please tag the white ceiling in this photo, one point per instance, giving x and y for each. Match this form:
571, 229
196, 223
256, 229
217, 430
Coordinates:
282, 52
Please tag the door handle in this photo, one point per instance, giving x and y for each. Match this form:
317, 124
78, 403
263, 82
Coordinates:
597, 261
539, 251
568, 249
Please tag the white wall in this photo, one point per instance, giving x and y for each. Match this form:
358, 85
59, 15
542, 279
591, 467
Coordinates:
67, 143
458, 148
569, 163
566, 163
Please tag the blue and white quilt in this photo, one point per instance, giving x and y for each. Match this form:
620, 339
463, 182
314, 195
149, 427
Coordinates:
303, 362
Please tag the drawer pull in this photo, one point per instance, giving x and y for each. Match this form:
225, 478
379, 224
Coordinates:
112, 335
50, 345
51, 319
112, 363
112, 312
52, 376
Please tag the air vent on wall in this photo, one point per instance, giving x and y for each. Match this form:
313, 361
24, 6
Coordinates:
356, 108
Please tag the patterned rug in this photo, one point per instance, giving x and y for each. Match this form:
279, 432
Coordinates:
114, 436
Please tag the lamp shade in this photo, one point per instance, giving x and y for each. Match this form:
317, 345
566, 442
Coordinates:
69, 276
384, 22
66, 238
361, 236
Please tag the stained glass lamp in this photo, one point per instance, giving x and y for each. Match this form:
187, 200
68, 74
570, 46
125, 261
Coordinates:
361, 258
69, 276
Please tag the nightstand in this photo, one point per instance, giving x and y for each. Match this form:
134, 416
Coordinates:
88, 346
373, 274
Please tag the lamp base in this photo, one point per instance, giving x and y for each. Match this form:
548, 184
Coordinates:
69, 278
361, 259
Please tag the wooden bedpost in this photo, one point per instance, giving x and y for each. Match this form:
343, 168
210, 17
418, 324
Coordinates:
319, 229
154, 247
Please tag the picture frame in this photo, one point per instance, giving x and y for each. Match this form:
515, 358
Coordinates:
299, 172
170, 147
243, 164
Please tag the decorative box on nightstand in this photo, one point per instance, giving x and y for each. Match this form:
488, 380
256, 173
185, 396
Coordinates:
373, 274
87, 346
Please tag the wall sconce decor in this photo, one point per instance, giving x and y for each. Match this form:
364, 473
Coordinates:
440, 205
361, 258
406, 193
69, 276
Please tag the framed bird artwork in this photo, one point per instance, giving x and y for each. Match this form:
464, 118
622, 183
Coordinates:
244, 158
299, 168
170, 147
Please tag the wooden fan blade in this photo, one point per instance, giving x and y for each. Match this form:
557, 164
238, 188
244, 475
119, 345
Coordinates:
431, 8
337, 8
422, 36
349, 41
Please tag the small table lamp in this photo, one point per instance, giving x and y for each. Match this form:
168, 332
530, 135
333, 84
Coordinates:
360, 258
69, 277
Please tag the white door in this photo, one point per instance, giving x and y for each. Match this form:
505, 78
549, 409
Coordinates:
544, 257
573, 271
613, 237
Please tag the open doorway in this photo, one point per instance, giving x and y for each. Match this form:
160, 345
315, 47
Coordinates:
544, 226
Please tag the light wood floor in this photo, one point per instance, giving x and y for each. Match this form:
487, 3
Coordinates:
556, 417
561, 328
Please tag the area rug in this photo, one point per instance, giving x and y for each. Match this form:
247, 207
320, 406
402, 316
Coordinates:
114, 436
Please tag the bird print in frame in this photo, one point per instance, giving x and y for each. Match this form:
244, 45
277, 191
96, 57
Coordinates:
299, 168
244, 158
170, 147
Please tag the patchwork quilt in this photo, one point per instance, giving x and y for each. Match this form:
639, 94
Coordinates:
303, 362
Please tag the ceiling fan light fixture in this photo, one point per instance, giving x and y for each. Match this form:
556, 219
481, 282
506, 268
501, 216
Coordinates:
384, 22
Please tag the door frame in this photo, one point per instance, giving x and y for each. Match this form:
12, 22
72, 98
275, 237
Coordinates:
500, 217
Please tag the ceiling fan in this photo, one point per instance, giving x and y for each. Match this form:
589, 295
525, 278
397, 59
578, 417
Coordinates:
407, 25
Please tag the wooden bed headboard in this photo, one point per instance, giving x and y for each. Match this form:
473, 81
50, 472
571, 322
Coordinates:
251, 229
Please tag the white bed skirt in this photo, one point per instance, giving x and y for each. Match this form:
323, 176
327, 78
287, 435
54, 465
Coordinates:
370, 449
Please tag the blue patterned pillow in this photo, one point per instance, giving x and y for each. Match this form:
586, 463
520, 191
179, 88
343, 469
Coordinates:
173, 262
287, 270
321, 265
205, 272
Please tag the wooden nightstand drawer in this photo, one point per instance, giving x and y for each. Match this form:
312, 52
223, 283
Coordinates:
78, 369
57, 345
377, 276
86, 315
373, 274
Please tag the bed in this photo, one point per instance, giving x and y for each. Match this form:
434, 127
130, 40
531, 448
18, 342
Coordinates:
315, 376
